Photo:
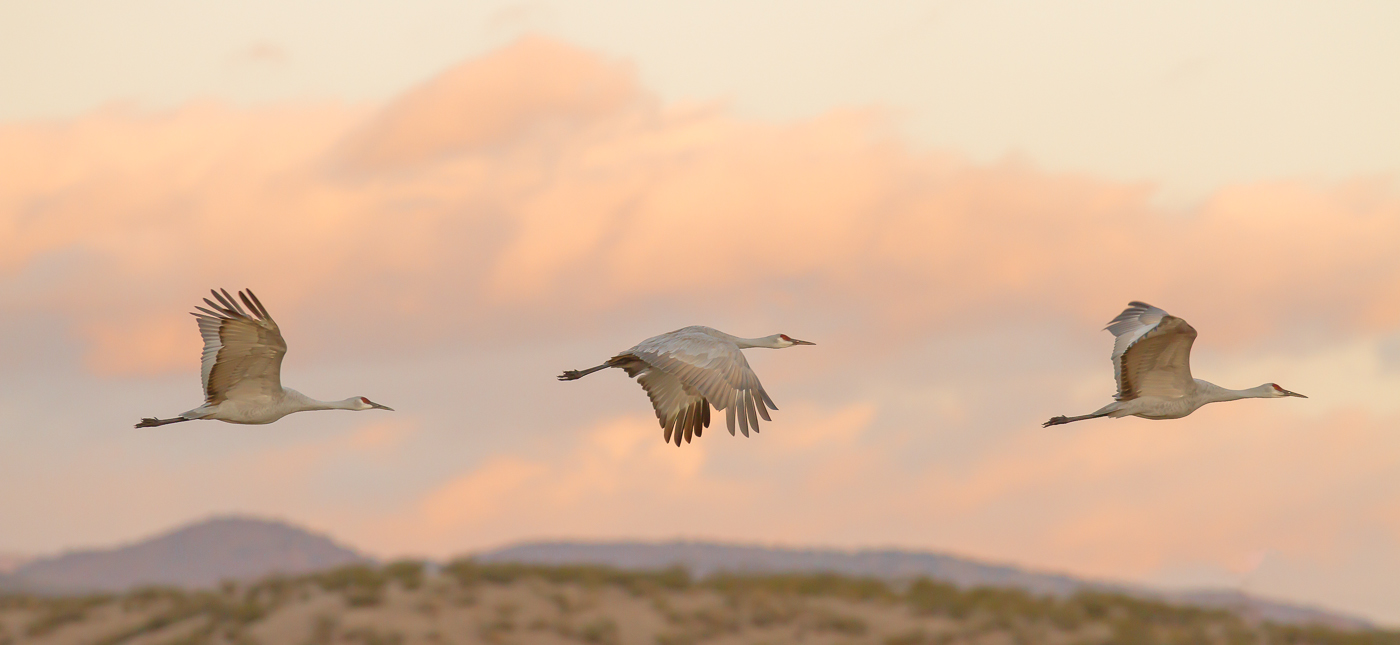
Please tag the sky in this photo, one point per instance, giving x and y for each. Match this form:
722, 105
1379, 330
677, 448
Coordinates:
445, 205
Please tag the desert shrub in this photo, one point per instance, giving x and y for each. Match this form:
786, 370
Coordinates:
361, 585
912, 637
601, 631
1109, 605
464, 571
371, 636
675, 639
364, 596
698, 625
145, 597
1319, 635
468, 572
275, 590
993, 606
9, 601
408, 573
816, 584
1131, 631
493, 631
58, 612
1130, 619
767, 611
355, 575
323, 631
836, 623
239, 612
182, 606
929, 597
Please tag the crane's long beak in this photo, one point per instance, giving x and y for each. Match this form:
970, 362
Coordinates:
802, 342
1287, 393
380, 407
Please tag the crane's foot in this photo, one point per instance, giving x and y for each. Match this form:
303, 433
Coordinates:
152, 422
1056, 421
573, 375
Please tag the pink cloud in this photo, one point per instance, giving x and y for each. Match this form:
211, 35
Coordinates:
543, 179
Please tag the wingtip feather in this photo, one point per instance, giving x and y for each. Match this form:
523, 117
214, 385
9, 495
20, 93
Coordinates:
261, 308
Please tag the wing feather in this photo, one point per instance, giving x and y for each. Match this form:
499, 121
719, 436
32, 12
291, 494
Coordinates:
679, 408
1152, 353
738, 409
748, 406
243, 353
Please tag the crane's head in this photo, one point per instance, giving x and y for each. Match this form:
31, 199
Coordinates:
1276, 392
784, 340
361, 403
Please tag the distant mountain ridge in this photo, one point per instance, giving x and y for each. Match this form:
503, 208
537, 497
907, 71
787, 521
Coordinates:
198, 555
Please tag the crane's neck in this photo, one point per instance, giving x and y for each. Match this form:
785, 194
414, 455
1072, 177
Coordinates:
771, 342
1215, 393
305, 403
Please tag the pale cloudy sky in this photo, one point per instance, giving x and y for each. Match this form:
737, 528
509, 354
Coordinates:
446, 206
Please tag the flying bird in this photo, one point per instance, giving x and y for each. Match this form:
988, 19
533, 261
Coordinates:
1152, 363
686, 371
242, 368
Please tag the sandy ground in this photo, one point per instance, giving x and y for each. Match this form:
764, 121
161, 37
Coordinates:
400, 605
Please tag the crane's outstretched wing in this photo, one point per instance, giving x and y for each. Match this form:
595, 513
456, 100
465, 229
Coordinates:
711, 368
682, 412
1152, 353
242, 353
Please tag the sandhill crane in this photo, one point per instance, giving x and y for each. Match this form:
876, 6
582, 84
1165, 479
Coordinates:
242, 368
1152, 363
686, 371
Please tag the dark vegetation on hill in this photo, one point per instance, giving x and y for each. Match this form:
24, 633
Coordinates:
403, 603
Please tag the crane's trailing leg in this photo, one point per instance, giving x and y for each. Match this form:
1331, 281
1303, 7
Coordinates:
152, 422
1061, 420
573, 375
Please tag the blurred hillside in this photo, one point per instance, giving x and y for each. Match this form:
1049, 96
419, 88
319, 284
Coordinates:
205, 554
469, 602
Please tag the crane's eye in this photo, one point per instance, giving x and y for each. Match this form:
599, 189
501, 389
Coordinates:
784, 337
